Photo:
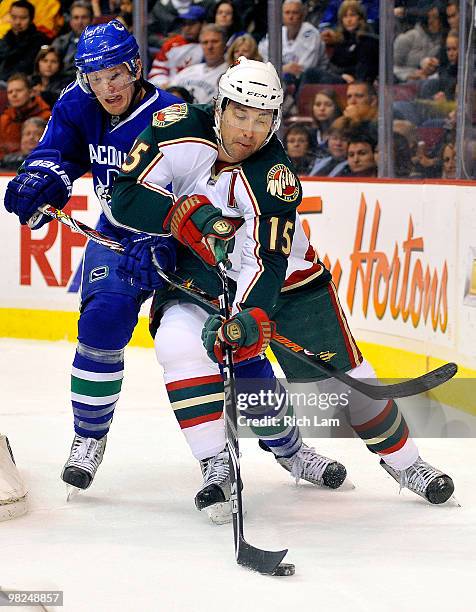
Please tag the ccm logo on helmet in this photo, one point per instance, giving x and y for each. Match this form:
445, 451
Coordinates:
257, 94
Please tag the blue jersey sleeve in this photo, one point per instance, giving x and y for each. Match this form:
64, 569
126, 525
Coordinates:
65, 132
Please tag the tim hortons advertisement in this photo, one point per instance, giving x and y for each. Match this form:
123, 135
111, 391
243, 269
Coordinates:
401, 256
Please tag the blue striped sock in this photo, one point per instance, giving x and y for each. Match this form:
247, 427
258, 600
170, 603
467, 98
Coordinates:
96, 381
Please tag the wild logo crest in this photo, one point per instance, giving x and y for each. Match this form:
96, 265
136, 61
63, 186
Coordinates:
282, 183
170, 114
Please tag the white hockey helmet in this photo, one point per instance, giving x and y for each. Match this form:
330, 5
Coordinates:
250, 83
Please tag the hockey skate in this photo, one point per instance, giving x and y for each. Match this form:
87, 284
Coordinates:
308, 465
424, 480
214, 496
84, 459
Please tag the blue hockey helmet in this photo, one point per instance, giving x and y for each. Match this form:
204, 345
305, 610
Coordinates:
104, 46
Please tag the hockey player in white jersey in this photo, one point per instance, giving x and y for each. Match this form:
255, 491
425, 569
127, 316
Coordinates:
244, 189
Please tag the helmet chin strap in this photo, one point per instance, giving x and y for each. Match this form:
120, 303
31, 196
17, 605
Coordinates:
137, 89
217, 130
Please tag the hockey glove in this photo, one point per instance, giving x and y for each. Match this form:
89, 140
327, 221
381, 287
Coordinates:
199, 225
42, 181
136, 265
249, 333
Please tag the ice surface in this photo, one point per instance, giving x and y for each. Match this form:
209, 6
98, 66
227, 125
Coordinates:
134, 541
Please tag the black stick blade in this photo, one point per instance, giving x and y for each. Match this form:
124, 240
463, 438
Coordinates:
414, 386
262, 561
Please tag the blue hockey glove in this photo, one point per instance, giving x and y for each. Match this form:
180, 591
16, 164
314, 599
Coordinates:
41, 181
136, 265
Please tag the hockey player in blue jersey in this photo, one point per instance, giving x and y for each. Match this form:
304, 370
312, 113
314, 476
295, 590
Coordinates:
92, 128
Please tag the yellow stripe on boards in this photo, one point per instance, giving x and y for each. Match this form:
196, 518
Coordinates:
394, 363
56, 325
388, 362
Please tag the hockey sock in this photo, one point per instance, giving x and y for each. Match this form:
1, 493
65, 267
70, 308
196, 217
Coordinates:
96, 381
381, 424
387, 435
198, 406
104, 328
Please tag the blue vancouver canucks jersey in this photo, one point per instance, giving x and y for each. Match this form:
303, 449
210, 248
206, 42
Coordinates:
89, 139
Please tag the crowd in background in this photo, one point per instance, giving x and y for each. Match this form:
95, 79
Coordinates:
330, 71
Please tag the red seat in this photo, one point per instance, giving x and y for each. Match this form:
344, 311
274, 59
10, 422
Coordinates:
298, 119
405, 91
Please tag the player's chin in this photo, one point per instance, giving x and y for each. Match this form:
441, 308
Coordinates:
241, 152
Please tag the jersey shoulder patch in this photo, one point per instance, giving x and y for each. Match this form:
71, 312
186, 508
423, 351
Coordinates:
282, 183
169, 115
179, 121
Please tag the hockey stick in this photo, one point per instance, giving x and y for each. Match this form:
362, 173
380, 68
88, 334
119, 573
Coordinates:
263, 561
406, 388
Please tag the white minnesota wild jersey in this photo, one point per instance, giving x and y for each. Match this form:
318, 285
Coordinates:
271, 251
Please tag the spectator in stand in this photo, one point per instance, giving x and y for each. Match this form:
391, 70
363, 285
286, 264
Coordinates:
22, 104
31, 132
361, 154
427, 162
201, 80
443, 87
402, 157
452, 15
48, 16
48, 80
325, 110
244, 45
19, 46
302, 44
81, 15
104, 9
353, 48
335, 164
226, 16
298, 145
416, 51
125, 14
164, 18
448, 159
361, 102
436, 112
329, 17
179, 51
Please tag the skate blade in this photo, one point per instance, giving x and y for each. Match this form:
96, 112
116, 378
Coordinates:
454, 501
71, 492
